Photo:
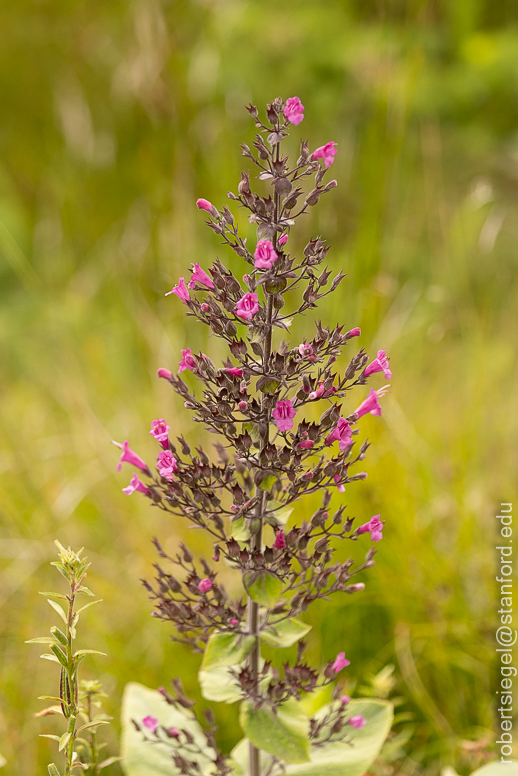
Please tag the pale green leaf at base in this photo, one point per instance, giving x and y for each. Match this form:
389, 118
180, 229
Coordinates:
145, 759
217, 684
284, 734
342, 759
338, 759
265, 589
497, 768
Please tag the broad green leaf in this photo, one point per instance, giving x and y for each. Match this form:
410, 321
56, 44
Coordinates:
284, 734
353, 755
264, 588
283, 515
145, 759
217, 684
226, 649
58, 609
338, 759
240, 529
285, 633
497, 768
268, 481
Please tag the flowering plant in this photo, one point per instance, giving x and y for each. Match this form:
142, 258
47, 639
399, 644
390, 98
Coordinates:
270, 455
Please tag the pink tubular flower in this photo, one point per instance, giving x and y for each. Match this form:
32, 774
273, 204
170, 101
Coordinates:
235, 371
173, 732
340, 487
305, 349
283, 415
280, 541
357, 722
233, 622
353, 333
306, 444
374, 527
264, 255
205, 585
340, 663
180, 290
188, 361
283, 239
128, 456
318, 393
200, 276
135, 485
160, 429
326, 152
345, 699
293, 111
242, 405
166, 464
380, 364
165, 373
371, 404
151, 723
341, 433
204, 204
247, 306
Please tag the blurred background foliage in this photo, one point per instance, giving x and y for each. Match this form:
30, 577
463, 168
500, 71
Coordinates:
115, 118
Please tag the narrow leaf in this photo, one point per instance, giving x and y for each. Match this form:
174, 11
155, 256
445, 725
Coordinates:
53, 771
109, 761
86, 606
42, 640
48, 735
55, 595
93, 724
63, 741
60, 655
89, 652
58, 609
50, 657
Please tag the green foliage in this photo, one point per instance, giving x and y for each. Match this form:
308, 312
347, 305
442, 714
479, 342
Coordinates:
264, 588
285, 633
283, 733
226, 649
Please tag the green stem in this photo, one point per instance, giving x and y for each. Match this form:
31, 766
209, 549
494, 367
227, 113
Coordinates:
72, 682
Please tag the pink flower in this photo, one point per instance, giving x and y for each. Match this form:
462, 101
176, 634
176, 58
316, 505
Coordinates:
293, 111
264, 255
180, 290
341, 433
200, 276
280, 541
205, 307
160, 429
341, 487
205, 585
374, 527
283, 239
306, 444
318, 393
151, 723
188, 361
128, 456
305, 349
283, 415
340, 663
371, 404
380, 364
166, 464
247, 306
173, 732
135, 485
345, 699
326, 152
165, 373
234, 622
242, 405
235, 371
357, 722
204, 204
353, 333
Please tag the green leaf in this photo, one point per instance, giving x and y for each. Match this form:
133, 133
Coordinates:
353, 755
145, 759
93, 724
63, 741
240, 530
263, 587
109, 761
62, 658
285, 633
48, 735
497, 768
55, 595
226, 649
50, 657
284, 734
86, 606
58, 609
53, 771
218, 684
267, 385
268, 481
42, 640
60, 636
88, 652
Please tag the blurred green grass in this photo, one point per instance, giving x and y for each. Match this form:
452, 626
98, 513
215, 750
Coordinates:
115, 117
